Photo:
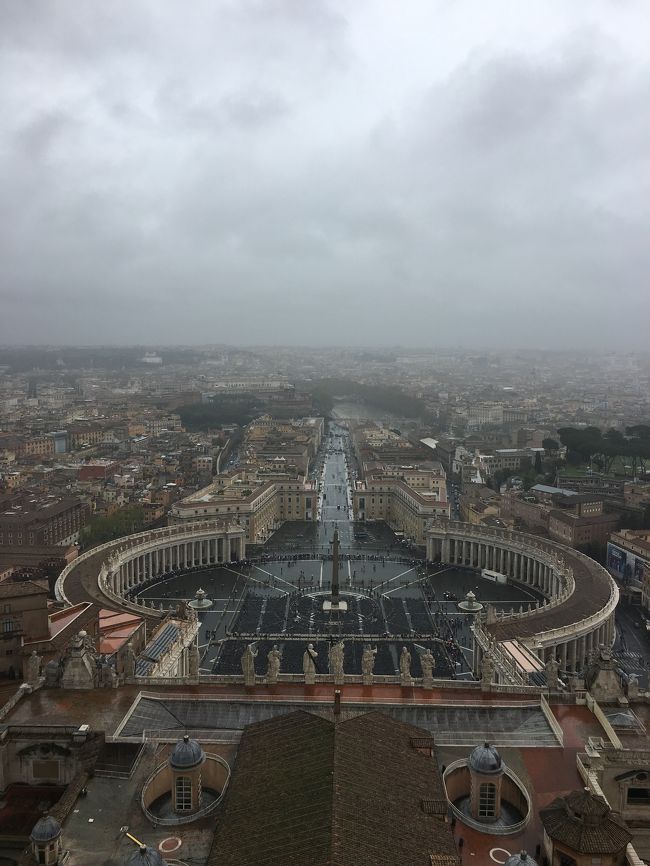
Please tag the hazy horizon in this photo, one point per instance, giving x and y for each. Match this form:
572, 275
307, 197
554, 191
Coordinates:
274, 173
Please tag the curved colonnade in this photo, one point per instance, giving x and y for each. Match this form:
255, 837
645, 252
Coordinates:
577, 617
120, 566
581, 596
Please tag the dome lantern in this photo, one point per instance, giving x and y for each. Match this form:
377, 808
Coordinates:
145, 856
187, 754
486, 760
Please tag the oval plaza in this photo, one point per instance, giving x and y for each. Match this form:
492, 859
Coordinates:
336, 650
573, 613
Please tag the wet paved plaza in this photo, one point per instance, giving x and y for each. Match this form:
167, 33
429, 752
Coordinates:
394, 597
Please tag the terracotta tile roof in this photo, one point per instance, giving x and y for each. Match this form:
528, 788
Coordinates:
308, 792
584, 822
18, 588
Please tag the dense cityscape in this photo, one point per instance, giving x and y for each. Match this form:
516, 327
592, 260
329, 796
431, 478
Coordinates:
225, 535
324, 433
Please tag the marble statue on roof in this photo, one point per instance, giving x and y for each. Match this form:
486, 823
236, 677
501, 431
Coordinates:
368, 664
552, 672
33, 668
428, 663
129, 661
405, 667
248, 664
337, 652
309, 664
273, 660
487, 671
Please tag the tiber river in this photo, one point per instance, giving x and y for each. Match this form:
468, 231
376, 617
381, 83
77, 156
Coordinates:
355, 411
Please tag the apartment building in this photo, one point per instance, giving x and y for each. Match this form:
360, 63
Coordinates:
628, 560
24, 616
514, 459
257, 500
613, 488
35, 519
580, 531
404, 509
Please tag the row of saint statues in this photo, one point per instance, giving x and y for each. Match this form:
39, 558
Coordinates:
310, 664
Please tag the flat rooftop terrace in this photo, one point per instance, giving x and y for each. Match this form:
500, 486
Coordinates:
218, 720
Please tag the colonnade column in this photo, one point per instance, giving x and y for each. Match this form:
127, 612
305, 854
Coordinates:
563, 656
611, 630
572, 655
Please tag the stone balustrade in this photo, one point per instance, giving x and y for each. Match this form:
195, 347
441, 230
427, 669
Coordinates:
580, 594
120, 566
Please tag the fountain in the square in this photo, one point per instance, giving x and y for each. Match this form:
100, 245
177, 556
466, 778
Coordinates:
200, 600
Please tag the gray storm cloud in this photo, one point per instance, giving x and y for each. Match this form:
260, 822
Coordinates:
328, 172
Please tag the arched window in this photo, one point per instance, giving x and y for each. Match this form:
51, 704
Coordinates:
487, 798
183, 793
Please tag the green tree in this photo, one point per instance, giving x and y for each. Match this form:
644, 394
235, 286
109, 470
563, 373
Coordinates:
538, 462
238, 410
110, 526
500, 477
550, 445
529, 478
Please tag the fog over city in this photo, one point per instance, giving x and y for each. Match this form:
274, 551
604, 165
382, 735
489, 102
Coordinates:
426, 173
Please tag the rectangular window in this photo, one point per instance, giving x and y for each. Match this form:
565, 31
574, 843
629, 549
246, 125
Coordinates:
487, 800
183, 794
638, 796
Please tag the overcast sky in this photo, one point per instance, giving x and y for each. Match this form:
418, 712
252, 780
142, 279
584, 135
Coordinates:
424, 172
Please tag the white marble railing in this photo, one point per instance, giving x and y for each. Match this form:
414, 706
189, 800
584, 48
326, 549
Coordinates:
555, 556
122, 550
582, 626
482, 827
494, 649
186, 817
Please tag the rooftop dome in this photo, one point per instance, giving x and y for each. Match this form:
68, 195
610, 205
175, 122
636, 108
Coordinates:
145, 857
585, 823
186, 755
46, 829
485, 759
521, 859
587, 807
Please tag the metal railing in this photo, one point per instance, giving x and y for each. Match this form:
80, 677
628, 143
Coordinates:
493, 828
177, 820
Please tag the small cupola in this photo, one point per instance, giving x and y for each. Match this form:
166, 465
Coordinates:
486, 770
185, 763
486, 760
187, 754
46, 841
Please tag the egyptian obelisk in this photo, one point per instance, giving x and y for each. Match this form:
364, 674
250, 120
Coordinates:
334, 603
